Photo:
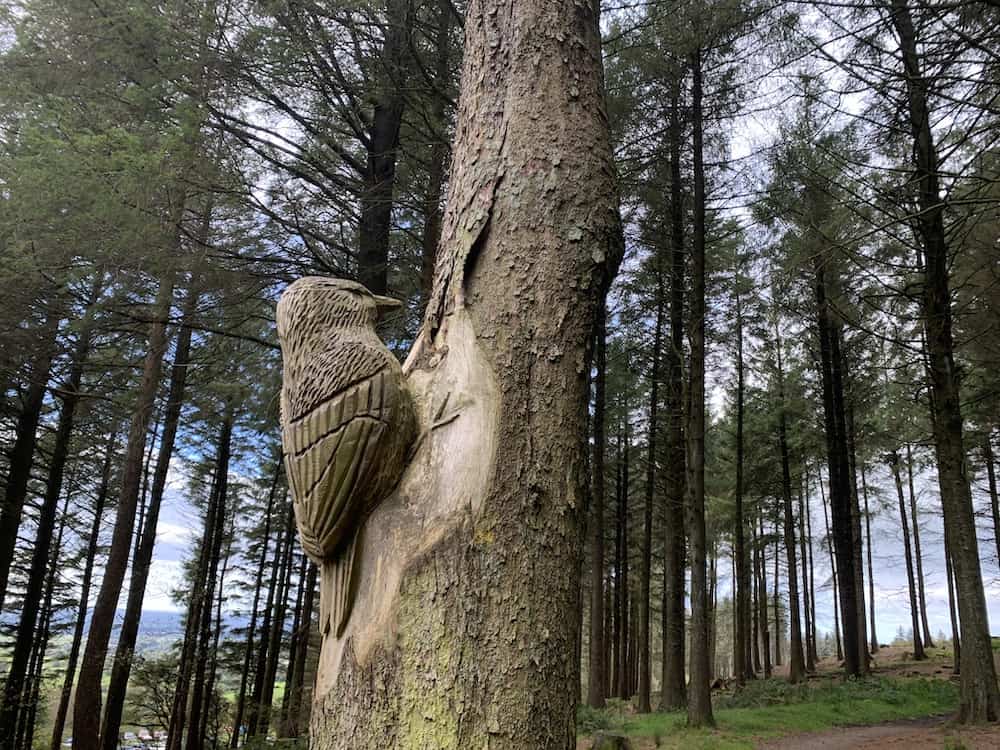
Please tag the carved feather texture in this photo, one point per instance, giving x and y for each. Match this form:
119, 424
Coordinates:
346, 425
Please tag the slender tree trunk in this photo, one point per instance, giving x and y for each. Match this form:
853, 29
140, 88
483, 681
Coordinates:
765, 635
808, 647
858, 540
616, 632
87, 706
596, 678
699, 693
991, 474
122, 664
438, 164
917, 556
277, 634
19, 676
956, 641
624, 689
248, 651
742, 656
293, 645
776, 597
22, 453
980, 696
796, 661
673, 692
918, 645
215, 524
755, 627
833, 574
297, 685
871, 573
645, 671
382, 145
59, 721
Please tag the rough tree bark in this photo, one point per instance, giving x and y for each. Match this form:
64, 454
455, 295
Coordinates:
980, 696
463, 629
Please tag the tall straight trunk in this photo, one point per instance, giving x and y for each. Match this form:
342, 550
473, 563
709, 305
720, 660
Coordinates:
382, 144
248, 650
215, 525
765, 634
699, 692
918, 645
776, 597
87, 706
277, 634
22, 453
917, 556
673, 691
93, 539
18, 678
796, 660
808, 646
29, 708
742, 653
438, 164
507, 335
596, 678
833, 573
263, 650
713, 608
858, 539
645, 671
209, 699
293, 724
624, 690
991, 475
838, 464
810, 548
293, 645
616, 627
871, 573
129, 633
755, 599
980, 696
956, 640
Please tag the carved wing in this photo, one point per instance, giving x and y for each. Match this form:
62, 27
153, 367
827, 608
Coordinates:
335, 455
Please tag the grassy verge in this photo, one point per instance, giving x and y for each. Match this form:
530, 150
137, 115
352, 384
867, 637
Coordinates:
770, 708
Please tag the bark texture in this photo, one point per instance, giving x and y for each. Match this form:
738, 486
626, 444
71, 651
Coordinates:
463, 631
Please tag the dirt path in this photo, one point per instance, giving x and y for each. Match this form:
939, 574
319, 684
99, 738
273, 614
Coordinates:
932, 733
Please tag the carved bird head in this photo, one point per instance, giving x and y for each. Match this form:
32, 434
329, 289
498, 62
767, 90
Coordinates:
316, 305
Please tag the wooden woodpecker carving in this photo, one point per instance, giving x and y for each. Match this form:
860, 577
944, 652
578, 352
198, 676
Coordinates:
347, 424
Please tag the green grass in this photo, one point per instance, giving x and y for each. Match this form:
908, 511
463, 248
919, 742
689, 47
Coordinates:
996, 644
771, 708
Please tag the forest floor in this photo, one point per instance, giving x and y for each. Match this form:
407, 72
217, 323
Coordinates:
905, 704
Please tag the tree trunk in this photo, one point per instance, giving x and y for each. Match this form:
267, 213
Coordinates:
956, 644
918, 558
833, 573
742, 653
248, 651
595, 677
482, 604
276, 635
19, 676
980, 696
838, 463
293, 724
776, 597
87, 706
204, 595
59, 721
871, 574
808, 647
645, 671
382, 144
673, 692
699, 712
122, 664
796, 661
765, 635
22, 453
918, 645
858, 540
991, 474
624, 679
616, 631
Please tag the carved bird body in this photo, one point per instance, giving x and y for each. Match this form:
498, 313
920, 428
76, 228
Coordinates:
347, 423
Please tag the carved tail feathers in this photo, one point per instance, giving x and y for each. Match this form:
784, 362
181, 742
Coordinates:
337, 590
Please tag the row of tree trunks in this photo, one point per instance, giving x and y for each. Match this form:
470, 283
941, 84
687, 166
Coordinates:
917, 556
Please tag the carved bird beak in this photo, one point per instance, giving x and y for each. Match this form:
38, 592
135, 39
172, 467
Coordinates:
386, 304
